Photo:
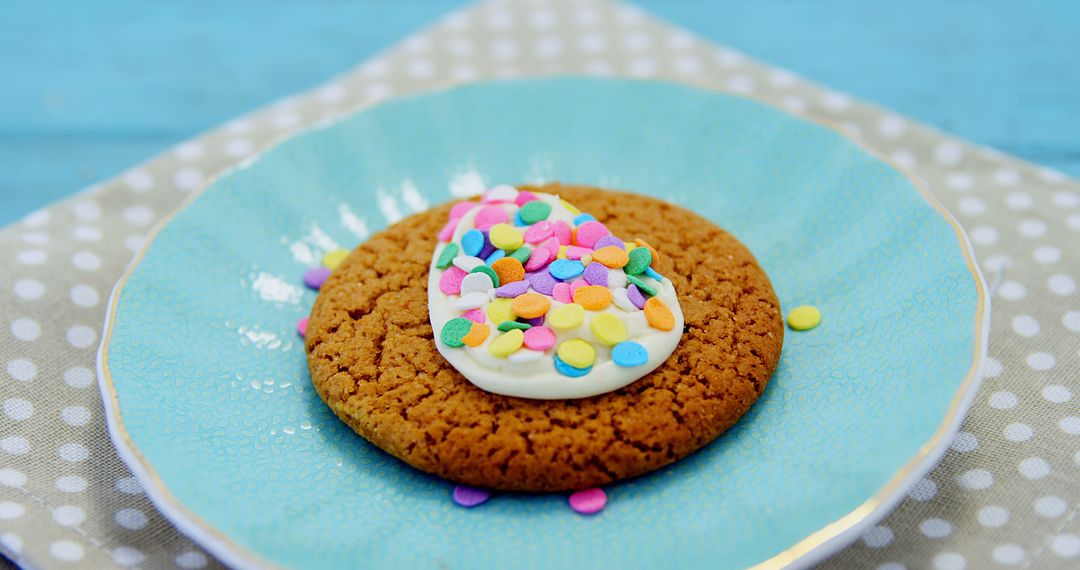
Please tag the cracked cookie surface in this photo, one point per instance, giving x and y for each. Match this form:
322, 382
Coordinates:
373, 360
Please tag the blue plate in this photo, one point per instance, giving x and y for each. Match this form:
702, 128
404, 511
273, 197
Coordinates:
210, 402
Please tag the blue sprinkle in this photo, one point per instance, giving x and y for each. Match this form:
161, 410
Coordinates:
565, 269
628, 353
495, 256
472, 242
518, 221
652, 273
582, 218
567, 370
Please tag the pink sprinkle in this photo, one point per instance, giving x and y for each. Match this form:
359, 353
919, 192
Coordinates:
552, 245
590, 232
589, 501
475, 315
562, 231
469, 497
447, 233
538, 259
450, 282
301, 326
460, 209
575, 284
489, 216
575, 252
524, 197
562, 293
538, 232
539, 338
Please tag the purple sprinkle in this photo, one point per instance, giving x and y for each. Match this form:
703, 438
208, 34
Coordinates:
512, 289
535, 321
609, 240
635, 296
543, 282
469, 497
488, 249
596, 274
316, 276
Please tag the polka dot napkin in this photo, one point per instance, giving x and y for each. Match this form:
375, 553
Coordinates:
1004, 495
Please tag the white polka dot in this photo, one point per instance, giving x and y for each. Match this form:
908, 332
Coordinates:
835, 101
191, 560
948, 153
1033, 228
75, 415
782, 78
25, 329
965, 442
636, 41
984, 235
1018, 200
131, 519
12, 478
73, 452
71, 484
29, 289
975, 479
891, 126
12, 542
1034, 468
1070, 425
187, 178
878, 537
1074, 221
1057, 394
243, 125
463, 72
66, 551
935, 528
31, 257
287, 120
460, 46
138, 215
1009, 554
1012, 290
1052, 176
971, 205
1025, 325
960, 181
420, 68
794, 103
687, 64
84, 296
642, 67
1066, 199
87, 210
189, 151
18, 409
14, 445
68, 515
499, 19
1066, 545
1047, 254
36, 238
36, 218
86, 261
128, 556
1041, 361
630, 16
139, 180
924, 490
1018, 432
1050, 506
238, 147
21, 369
949, 561
728, 57
1061, 284
81, 336
128, 486
904, 158
592, 42
86, 233
1071, 320
1006, 177
503, 48
133, 243
10, 510
330, 93
78, 377
740, 84
417, 44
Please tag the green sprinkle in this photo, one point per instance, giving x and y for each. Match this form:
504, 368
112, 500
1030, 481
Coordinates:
535, 211
511, 325
490, 272
521, 254
447, 256
454, 330
640, 258
648, 290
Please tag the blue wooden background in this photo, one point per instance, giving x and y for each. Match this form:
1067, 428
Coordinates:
91, 88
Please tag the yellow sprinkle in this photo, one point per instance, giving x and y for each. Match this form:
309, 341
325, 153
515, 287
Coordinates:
608, 328
499, 310
804, 318
629, 245
562, 252
572, 208
577, 353
507, 343
566, 317
505, 236
332, 259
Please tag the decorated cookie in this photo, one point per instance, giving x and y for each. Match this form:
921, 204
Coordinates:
624, 362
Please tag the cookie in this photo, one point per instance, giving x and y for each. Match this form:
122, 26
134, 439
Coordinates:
373, 360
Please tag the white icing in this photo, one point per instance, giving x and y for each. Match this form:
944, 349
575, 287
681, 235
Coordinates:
532, 374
